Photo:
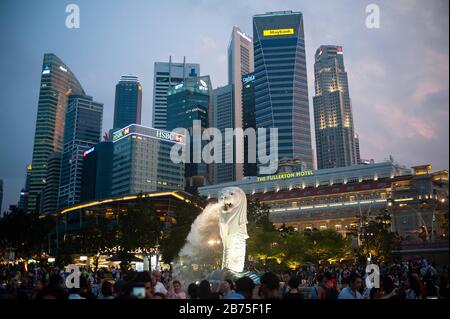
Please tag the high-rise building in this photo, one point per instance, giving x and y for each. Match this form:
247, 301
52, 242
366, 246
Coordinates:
1, 196
128, 103
142, 161
281, 87
240, 62
57, 83
187, 102
248, 119
223, 103
97, 172
357, 150
335, 136
49, 194
167, 75
25, 191
82, 131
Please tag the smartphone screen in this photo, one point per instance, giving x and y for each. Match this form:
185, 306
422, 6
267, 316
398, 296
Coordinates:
139, 292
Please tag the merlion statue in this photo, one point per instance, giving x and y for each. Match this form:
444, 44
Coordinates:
233, 227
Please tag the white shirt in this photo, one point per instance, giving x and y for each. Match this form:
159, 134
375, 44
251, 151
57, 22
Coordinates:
347, 293
159, 288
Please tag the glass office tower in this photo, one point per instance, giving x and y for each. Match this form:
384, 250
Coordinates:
57, 83
166, 76
248, 118
82, 131
128, 103
187, 102
281, 88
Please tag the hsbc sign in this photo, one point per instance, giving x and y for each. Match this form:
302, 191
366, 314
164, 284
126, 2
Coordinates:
170, 136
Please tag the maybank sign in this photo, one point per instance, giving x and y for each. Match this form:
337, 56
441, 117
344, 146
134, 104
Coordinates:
278, 32
285, 176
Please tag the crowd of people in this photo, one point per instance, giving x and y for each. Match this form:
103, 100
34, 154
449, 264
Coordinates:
405, 280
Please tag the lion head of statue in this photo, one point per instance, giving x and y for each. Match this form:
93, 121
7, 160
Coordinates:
233, 200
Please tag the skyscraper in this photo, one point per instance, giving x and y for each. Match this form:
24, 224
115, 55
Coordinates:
167, 75
281, 87
223, 114
335, 137
240, 62
57, 83
1, 196
128, 103
49, 194
25, 191
142, 161
248, 118
82, 131
97, 172
187, 102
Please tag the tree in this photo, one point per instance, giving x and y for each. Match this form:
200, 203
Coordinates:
376, 238
138, 228
24, 232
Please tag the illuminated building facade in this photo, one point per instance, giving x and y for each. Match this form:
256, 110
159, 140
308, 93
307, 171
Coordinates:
82, 131
240, 62
57, 83
248, 118
142, 161
166, 76
336, 141
24, 192
50, 193
281, 86
416, 200
223, 101
187, 102
128, 102
108, 210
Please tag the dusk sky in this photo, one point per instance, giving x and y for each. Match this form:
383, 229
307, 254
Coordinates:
398, 74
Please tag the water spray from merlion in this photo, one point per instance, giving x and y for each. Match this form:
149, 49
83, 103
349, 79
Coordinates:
225, 220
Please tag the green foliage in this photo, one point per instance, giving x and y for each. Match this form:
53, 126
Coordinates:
376, 238
272, 249
24, 232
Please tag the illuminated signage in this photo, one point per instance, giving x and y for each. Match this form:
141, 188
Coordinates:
169, 136
46, 70
89, 151
284, 176
179, 86
278, 32
63, 69
121, 133
340, 51
249, 78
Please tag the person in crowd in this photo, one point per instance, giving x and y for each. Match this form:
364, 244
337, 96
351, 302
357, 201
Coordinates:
86, 288
293, 292
286, 276
244, 289
107, 290
352, 291
204, 290
226, 288
270, 286
192, 291
314, 292
158, 286
177, 292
